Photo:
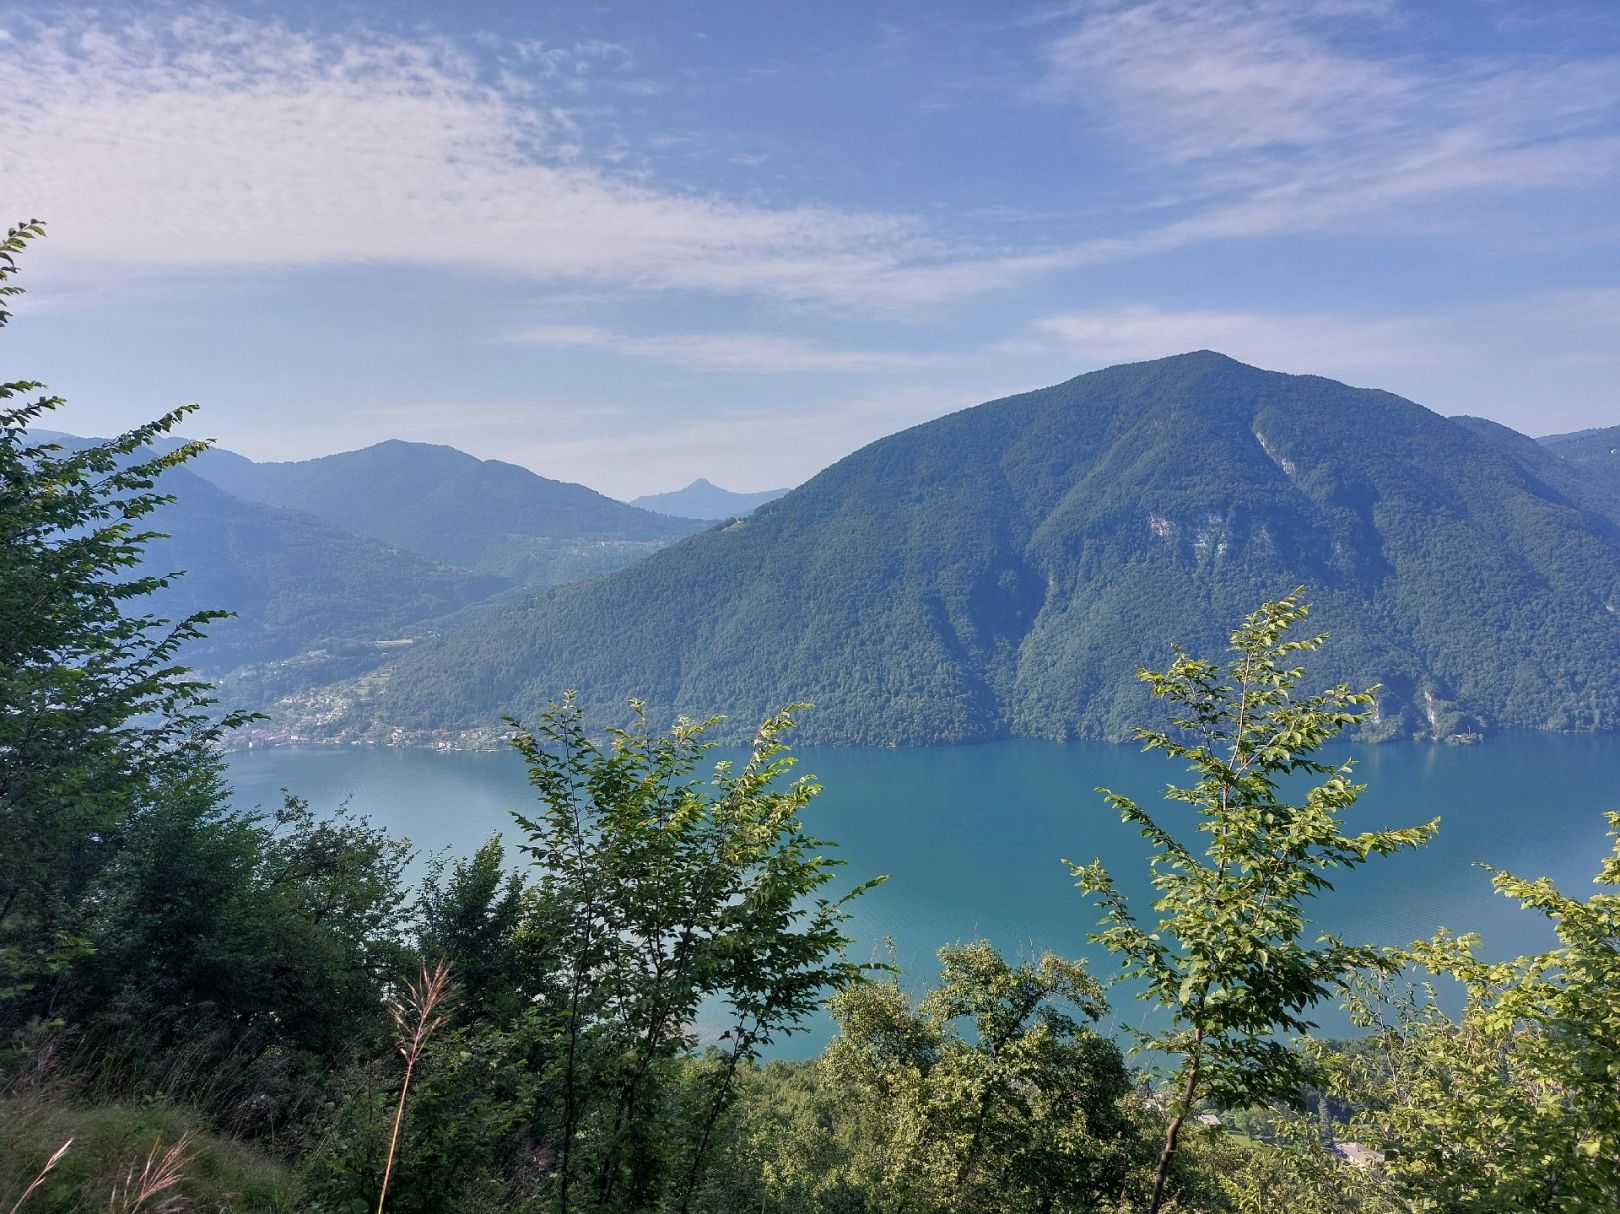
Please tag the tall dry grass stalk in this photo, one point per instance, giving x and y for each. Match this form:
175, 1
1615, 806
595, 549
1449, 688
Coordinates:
150, 1191
43, 1173
416, 1017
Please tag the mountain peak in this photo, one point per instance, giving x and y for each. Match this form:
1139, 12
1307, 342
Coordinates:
703, 499
1006, 569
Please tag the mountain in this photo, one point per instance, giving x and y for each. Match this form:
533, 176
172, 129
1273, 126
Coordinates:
313, 604
293, 582
1006, 569
705, 500
485, 516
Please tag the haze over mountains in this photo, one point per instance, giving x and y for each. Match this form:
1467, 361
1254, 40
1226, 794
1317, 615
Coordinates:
485, 516
705, 500
331, 565
1004, 570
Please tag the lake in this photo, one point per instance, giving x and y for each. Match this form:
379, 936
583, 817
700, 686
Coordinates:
973, 837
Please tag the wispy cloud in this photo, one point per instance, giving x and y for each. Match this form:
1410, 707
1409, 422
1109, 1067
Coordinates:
1273, 116
210, 140
724, 351
214, 141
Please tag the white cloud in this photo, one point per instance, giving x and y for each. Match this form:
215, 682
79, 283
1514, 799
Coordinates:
213, 141
724, 351
1261, 119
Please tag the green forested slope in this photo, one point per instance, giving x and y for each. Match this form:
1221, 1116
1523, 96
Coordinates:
1585, 477
1592, 457
483, 515
1007, 568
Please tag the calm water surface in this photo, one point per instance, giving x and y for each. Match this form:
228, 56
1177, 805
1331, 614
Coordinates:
973, 837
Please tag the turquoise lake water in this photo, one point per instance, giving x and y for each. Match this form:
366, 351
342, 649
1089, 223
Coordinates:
973, 837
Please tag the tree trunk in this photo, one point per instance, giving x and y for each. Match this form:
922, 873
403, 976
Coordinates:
1172, 1135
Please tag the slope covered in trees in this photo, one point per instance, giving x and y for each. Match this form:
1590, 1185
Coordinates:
1593, 456
1580, 471
1007, 568
327, 584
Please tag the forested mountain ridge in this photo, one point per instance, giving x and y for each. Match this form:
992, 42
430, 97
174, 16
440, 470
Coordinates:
1593, 457
310, 603
1575, 466
1006, 569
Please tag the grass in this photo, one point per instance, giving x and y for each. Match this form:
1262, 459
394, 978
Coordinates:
119, 1150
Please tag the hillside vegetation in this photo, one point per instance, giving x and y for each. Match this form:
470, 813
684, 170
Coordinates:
294, 583
1006, 569
330, 566
1593, 456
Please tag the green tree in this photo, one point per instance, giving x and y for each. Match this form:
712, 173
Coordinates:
671, 899
1226, 956
993, 1093
1294, 1170
96, 712
136, 905
1514, 1104
479, 911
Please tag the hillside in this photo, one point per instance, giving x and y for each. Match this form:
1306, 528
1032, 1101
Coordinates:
706, 500
1593, 456
1587, 480
486, 516
1005, 569
300, 590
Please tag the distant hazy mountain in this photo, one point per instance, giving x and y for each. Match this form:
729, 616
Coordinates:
483, 515
313, 604
317, 602
1005, 569
294, 583
1599, 443
702, 499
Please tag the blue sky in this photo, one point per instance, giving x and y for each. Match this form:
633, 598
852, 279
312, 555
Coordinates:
632, 244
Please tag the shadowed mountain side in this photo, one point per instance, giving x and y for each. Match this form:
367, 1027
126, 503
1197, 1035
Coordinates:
1594, 457
1592, 483
1006, 569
